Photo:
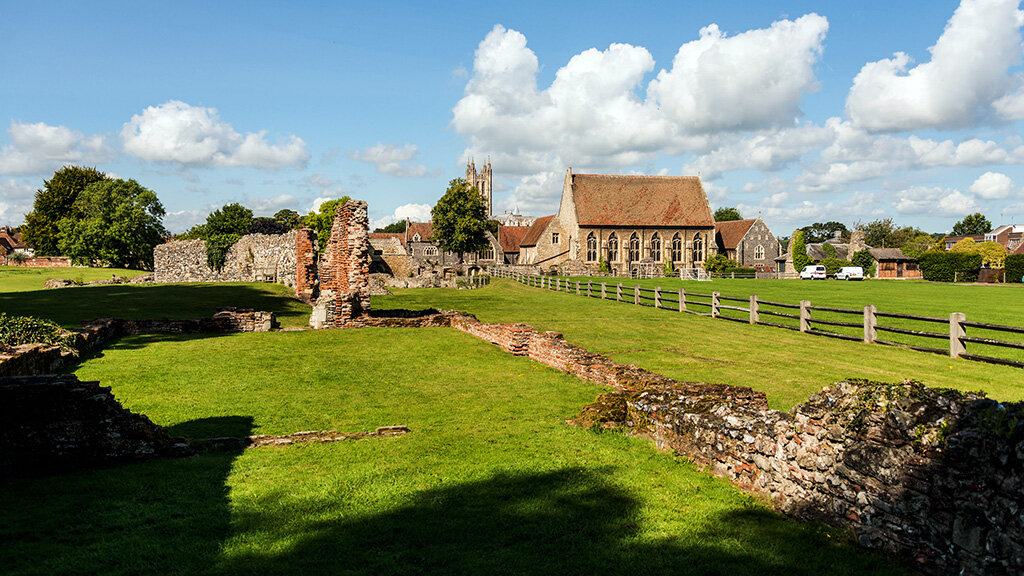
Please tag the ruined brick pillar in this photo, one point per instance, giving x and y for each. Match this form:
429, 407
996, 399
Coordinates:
344, 270
305, 262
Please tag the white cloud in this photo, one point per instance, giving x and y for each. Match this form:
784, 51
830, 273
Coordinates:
392, 159
967, 73
594, 116
768, 151
992, 186
40, 148
268, 206
319, 201
944, 202
414, 212
194, 135
15, 200
181, 220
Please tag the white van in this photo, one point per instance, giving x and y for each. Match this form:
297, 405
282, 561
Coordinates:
850, 273
813, 272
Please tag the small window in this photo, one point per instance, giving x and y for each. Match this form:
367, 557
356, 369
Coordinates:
487, 253
415, 237
613, 248
430, 251
554, 237
759, 252
656, 247
677, 248
634, 248
591, 247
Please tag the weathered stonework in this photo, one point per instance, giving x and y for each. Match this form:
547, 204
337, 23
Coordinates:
254, 258
344, 270
56, 423
306, 276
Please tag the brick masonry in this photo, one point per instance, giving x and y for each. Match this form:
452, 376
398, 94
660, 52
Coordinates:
344, 270
306, 277
56, 423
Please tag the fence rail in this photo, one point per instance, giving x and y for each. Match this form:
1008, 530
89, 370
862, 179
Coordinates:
682, 301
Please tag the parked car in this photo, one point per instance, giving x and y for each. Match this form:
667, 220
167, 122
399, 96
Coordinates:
850, 273
813, 272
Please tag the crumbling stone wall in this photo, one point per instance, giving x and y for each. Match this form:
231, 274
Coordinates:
254, 258
306, 276
57, 423
344, 270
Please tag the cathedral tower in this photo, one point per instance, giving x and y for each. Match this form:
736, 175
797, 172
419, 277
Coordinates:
482, 180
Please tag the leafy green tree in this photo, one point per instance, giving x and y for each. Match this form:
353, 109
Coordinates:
393, 228
113, 222
264, 225
719, 262
53, 203
229, 219
289, 218
975, 223
823, 231
726, 214
460, 219
877, 232
863, 259
323, 219
799, 246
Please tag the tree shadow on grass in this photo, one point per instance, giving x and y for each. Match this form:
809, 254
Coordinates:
71, 306
569, 521
164, 516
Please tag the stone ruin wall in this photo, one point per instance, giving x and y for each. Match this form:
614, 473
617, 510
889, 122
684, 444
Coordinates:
344, 270
306, 276
254, 258
56, 423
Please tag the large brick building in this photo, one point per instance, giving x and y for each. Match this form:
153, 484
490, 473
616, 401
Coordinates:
625, 220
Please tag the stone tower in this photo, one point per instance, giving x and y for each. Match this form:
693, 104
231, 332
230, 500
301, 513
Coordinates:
482, 180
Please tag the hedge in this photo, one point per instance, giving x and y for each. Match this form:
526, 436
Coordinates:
950, 266
18, 330
740, 272
1014, 268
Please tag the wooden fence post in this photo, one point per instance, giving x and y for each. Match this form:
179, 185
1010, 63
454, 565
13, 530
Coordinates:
590, 289
604, 290
657, 296
870, 322
636, 294
618, 292
577, 287
956, 332
755, 309
715, 312
805, 315
682, 299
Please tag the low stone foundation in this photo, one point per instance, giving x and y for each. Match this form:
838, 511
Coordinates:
56, 423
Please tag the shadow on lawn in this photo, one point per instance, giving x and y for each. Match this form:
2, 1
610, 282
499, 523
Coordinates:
165, 516
70, 306
173, 516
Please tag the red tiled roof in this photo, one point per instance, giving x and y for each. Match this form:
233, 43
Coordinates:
386, 235
1019, 249
610, 200
511, 237
533, 232
728, 234
424, 229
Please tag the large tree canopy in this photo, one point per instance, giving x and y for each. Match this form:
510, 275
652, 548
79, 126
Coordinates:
113, 222
460, 219
323, 219
975, 223
289, 218
727, 213
53, 203
822, 231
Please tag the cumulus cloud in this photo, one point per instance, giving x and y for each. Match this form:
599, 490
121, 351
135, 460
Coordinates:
594, 113
414, 212
179, 133
966, 75
40, 148
992, 186
393, 160
769, 151
15, 200
924, 200
181, 220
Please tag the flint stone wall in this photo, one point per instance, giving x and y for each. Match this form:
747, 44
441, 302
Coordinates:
55, 423
254, 258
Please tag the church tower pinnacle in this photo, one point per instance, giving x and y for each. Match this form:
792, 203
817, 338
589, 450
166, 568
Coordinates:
482, 181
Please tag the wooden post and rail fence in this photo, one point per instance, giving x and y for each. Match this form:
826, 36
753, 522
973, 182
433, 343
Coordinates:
802, 315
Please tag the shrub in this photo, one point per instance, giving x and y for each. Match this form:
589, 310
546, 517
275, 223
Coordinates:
670, 270
718, 263
217, 247
829, 250
799, 250
603, 266
1014, 265
832, 265
18, 330
949, 266
739, 271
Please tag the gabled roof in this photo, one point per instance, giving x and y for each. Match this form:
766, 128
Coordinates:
889, 254
511, 237
817, 251
1019, 249
728, 234
424, 229
611, 200
400, 236
533, 232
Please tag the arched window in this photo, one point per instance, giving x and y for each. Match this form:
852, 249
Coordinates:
698, 248
613, 248
430, 251
416, 237
487, 253
634, 248
677, 248
656, 247
591, 247
759, 252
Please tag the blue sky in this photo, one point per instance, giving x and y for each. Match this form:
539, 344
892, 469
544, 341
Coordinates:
799, 111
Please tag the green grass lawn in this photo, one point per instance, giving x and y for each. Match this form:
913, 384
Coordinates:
17, 279
490, 481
